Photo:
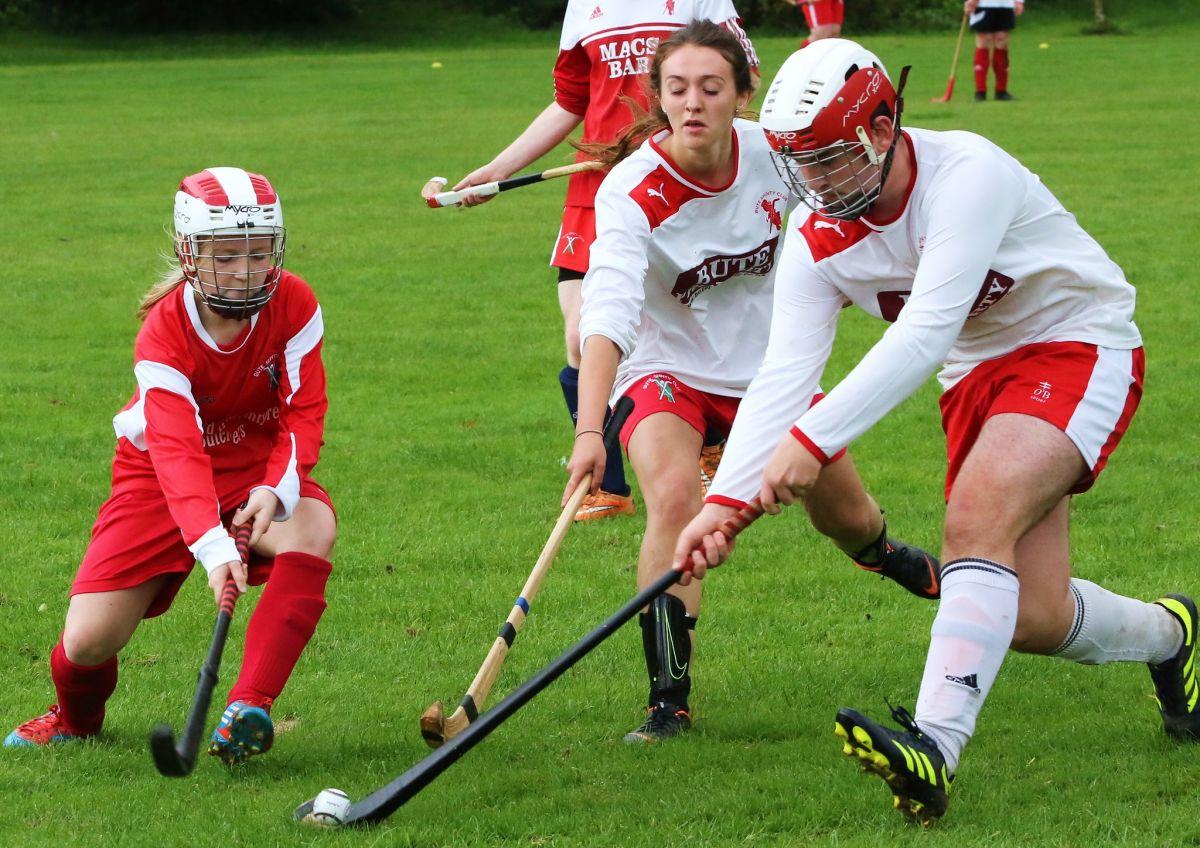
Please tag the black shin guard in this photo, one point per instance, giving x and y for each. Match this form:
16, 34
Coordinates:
667, 643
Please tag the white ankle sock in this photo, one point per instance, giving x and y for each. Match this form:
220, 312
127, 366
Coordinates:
970, 636
1112, 628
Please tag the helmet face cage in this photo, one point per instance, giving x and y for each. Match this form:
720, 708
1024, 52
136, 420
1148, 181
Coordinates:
235, 271
845, 178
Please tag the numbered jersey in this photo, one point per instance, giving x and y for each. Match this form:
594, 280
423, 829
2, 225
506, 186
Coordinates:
604, 55
981, 260
681, 273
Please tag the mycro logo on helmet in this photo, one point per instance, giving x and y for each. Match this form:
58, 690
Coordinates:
781, 142
870, 91
242, 210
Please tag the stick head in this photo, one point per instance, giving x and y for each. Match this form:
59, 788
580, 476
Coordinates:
166, 757
433, 725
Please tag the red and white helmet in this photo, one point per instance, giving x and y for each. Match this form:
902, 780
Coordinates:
817, 115
221, 217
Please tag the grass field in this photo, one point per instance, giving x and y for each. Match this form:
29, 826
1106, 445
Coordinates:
444, 451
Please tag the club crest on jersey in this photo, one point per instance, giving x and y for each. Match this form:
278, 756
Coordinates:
271, 369
569, 241
770, 204
669, 7
665, 385
717, 269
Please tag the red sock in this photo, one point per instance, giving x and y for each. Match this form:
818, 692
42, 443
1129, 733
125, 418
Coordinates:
82, 690
981, 68
1000, 66
283, 622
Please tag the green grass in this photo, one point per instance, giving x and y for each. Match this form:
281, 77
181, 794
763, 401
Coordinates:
444, 449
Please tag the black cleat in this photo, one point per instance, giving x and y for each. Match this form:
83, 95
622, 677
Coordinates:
1175, 684
908, 761
1003, 95
662, 722
911, 567
980, 96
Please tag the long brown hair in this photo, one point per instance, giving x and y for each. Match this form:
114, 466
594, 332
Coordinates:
646, 124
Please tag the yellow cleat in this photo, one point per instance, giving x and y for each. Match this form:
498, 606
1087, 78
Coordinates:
907, 760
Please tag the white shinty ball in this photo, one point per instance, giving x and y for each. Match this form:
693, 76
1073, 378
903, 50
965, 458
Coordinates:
331, 807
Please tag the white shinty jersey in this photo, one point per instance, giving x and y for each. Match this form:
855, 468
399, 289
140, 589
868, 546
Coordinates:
982, 260
997, 4
682, 274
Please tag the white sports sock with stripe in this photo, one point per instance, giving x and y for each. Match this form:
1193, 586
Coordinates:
970, 636
1113, 628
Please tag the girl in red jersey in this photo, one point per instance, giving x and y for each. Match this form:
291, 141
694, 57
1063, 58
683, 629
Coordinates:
229, 410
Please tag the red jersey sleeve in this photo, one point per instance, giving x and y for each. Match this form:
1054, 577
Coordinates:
302, 403
572, 80
165, 421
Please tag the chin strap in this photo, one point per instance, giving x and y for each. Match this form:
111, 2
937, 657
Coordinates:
884, 161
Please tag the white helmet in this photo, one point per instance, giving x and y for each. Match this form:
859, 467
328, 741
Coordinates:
817, 115
226, 209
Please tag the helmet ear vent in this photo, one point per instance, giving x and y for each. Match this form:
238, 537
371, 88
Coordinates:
851, 71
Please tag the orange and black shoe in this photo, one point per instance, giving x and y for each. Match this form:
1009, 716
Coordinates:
605, 505
916, 570
710, 460
663, 721
1175, 683
908, 761
46, 729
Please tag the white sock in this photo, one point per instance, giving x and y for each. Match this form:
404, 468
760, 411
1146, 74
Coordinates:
970, 636
1112, 628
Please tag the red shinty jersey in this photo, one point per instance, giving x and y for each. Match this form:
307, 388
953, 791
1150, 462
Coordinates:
604, 55
210, 422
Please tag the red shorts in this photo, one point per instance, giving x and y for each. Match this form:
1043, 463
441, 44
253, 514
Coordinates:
135, 539
661, 392
823, 12
573, 247
1088, 392
710, 415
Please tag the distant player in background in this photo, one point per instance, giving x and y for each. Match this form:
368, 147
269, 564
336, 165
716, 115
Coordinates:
980, 270
604, 54
229, 409
676, 310
992, 21
824, 18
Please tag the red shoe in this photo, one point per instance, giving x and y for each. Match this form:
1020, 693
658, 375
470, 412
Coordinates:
47, 729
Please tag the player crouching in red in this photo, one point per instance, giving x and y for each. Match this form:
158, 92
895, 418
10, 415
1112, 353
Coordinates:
229, 409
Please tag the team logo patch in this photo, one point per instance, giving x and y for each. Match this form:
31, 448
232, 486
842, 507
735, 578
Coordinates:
665, 386
1042, 393
771, 204
271, 369
669, 7
569, 240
